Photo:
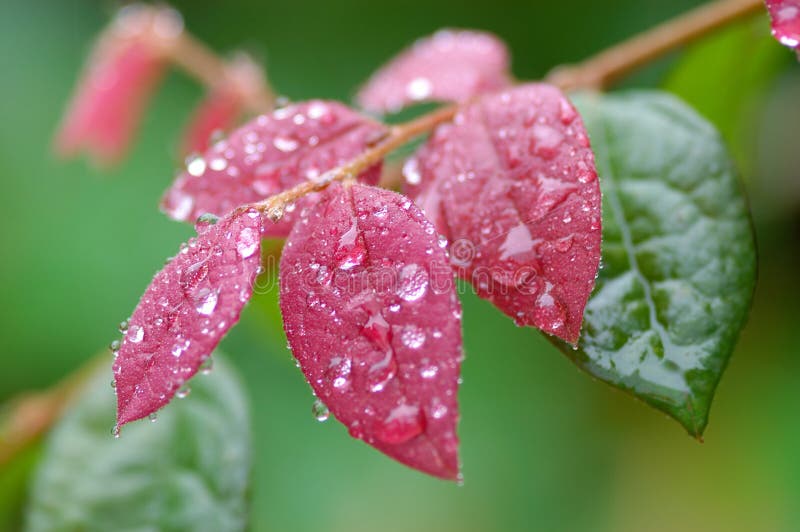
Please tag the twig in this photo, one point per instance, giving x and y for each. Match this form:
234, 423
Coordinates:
601, 70
396, 137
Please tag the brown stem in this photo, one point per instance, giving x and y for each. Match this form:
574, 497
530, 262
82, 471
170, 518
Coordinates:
608, 66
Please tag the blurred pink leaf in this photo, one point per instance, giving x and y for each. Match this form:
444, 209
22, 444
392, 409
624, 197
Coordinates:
451, 65
119, 78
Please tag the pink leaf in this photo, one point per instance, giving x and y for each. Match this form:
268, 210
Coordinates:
270, 154
451, 65
785, 15
370, 311
244, 81
217, 112
118, 81
185, 311
512, 183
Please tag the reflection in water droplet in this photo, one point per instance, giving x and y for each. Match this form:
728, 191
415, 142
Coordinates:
429, 372
412, 336
247, 242
518, 241
411, 172
195, 165
338, 372
320, 411
381, 373
135, 334
206, 301
403, 423
419, 88
413, 282
350, 252
285, 144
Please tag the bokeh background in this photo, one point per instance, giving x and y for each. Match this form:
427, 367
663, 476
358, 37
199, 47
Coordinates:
544, 447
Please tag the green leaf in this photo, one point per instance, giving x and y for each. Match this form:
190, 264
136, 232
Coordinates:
188, 471
679, 260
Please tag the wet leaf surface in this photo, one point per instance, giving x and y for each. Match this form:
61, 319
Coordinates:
678, 255
512, 184
370, 310
269, 154
185, 312
450, 65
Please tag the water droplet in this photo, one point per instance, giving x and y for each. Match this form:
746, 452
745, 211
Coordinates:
563, 245
275, 213
114, 384
183, 392
218, 164
123, 326
403, 423
195, 165
411, 172
135, 334
419, 88
206, 301
285, 144
114, 346
350, 252
153, 417
381, 373
320, 411
518, 241
204, 221
115, 432
412, 336
338, 372
207, 366
377, 330
429, 372
413, 282
247, 242
439, 411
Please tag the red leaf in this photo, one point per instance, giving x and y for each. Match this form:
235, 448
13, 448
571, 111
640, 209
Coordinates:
448, 66
217, 112
270, 154
117, 83
370, 311
513, 185
184, 313
785, 15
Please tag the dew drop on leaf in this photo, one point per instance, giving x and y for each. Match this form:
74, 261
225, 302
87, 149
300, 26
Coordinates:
320, 411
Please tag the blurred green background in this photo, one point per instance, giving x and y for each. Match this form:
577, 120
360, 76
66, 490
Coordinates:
544, 447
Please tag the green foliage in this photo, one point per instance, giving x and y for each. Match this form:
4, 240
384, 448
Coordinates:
679, 258
188, 471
